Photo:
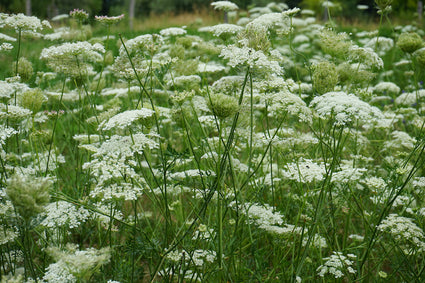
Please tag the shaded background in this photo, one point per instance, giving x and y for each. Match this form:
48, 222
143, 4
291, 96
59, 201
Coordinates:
51, 8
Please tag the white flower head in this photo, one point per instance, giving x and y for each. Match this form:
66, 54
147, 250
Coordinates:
173, 31
365, 56
337, 265
405, 232
222, 29
239, 56
224, 6
126, 119
73, 58
23, 23
345, 108
64, 214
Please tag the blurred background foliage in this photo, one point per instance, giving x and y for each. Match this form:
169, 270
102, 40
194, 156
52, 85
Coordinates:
50, 8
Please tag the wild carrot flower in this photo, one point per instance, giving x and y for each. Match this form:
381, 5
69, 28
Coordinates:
14, 113
245, 56
388, 88
365, 56
226, 6
109, 20
72, 58
271, 21
173, 31
337, 265
126, 119
7, 234
222, 30
81, 264
6, 90
79, 14
23, 23
123, 191
64, 214
345, 108
304, 171
6, 46
405, 233
284, 102
410, 98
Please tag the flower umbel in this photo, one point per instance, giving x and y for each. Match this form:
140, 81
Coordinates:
109, 20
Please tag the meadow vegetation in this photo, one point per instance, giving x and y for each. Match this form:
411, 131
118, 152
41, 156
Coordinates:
269, 148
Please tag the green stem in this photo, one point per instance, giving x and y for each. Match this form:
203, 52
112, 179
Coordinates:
54, 128
18, 53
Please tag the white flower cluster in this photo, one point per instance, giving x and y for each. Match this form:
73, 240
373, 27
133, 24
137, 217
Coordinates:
375, 184
14, 113
410, 98
190, 173
109, 20
124, 191
262, 215
173, 31
191, 81
271, 21
122, 147
317, 241
405, 232
382, 44
72, 264
145, 42
365, 56
222, 29
6, 37
198, 257
210, 67
126, 119
7, 235
304, 171
245, 56
5, 133
224, 6
203, 233
400, 140
58, 272
64, 214
39, 164
347, 173
107, 170
337, 264
388, 88
22, 22
345, 108
73, 58
6, 46
82, 49
283, 102
419, 182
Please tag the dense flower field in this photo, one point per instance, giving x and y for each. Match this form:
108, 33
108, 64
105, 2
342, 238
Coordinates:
268, 149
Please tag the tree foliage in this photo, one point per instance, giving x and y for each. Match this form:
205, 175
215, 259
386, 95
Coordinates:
50, 8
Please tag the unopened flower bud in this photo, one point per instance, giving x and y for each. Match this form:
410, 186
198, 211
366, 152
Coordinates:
409, 42
325, 77
222, 105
